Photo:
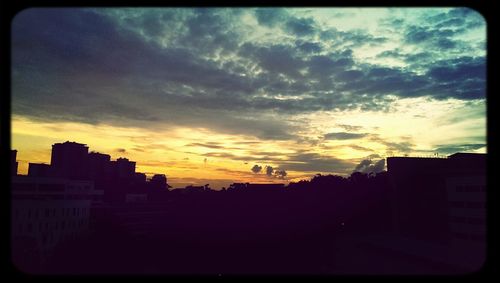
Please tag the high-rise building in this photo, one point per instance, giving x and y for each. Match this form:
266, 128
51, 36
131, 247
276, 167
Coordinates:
70, 160
13, 162
98, 165
125, 168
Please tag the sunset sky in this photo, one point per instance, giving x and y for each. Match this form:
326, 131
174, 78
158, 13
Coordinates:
205, 95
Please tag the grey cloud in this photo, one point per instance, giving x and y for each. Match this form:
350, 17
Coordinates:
350, 127
308, 47
454, 148
269, 170
98, 67
212, 145
368, 166
281, 174
256, 168
301, 26
270, 16
277, 58
344, 136
313, 162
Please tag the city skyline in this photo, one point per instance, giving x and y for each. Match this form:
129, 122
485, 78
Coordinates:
215, 93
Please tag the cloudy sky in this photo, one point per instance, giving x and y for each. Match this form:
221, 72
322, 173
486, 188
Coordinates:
249, 95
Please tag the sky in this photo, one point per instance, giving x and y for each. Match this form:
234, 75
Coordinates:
262, 95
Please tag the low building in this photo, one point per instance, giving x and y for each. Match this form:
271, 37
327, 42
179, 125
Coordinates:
39, 170
443, 201
46, 211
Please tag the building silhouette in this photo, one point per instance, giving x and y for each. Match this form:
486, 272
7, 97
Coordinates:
101, 214
124, 168
13, 162
69, 160
39, 170
98, 165
442, 201
46, 211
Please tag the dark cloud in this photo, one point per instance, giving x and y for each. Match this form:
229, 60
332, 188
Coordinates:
314, 162
256, 168
270, 17
213, 145
194, 67
280, 174
121, 150
350, 127
301, 26
393, 147
368, 166
279, 58
308, 47
269, 170
454, 148
344, 136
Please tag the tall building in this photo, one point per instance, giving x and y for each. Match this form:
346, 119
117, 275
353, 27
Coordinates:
125, 168
70, 160
13, 162
98, 165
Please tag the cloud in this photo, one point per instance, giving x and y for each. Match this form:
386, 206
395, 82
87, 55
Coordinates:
315, 163
350, 127
368, 166
344, 136
308, 47
280, 174
121, 150
269, 170
256, 168
205, 68
270, 17
454, 148
212, 145
301, 26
